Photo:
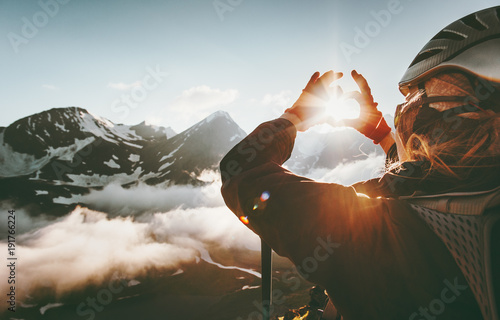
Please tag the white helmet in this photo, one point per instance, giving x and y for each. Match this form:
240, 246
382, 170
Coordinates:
471, 44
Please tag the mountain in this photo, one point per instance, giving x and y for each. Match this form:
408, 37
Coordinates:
66, 151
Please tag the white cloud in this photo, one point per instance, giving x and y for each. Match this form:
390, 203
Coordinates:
351, 172
154, 120
117, 200
86, 246
197, 103
204, 98
277, 102
50, 87
281, 99
124, 86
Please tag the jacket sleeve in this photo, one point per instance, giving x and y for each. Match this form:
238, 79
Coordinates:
298, 217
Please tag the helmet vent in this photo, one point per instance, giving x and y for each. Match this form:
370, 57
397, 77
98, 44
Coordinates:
472, 21
425, 55
449, 35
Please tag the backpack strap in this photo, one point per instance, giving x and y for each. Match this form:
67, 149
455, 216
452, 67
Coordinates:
463, 203
464, 222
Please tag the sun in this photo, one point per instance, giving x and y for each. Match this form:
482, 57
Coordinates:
340, 108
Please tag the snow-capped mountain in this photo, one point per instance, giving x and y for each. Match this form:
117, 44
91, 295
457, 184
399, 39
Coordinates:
64, 151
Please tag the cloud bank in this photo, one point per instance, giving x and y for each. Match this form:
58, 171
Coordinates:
86, 246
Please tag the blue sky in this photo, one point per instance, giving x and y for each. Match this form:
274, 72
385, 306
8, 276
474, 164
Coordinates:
178, 61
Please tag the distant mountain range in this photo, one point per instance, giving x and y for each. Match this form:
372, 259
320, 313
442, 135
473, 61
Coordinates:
64, 152
67, 151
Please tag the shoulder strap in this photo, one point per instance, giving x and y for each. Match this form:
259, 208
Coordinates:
464, 203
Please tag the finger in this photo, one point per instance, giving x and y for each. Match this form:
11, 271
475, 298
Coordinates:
364, 100
313, 79
337, 75
328, 77
361, 82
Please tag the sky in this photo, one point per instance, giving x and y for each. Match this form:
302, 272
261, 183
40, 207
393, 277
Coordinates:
172, 63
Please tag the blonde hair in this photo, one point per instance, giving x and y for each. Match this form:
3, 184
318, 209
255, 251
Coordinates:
454, 146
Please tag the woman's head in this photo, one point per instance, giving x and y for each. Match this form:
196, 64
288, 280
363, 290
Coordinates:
451, 121
452, 90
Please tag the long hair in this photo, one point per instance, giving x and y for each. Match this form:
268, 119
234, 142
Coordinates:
461, 147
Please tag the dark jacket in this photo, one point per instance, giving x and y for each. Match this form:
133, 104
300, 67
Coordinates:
376, 258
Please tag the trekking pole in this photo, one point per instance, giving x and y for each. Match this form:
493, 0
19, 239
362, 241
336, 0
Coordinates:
267, 279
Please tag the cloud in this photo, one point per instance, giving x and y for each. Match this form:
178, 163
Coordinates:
143, 198
124, 86
204, 98
50, 87
86, 246
27, 221
282, 99
160, 227
351, 172
278, 102
197, 103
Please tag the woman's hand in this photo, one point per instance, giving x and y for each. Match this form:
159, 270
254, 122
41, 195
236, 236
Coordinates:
370, 122
309, 109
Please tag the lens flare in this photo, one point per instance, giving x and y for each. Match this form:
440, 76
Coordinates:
244, 219
264, 196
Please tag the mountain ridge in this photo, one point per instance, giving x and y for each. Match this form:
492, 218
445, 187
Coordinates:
67, 151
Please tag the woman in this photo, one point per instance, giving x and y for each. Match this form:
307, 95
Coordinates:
370, 248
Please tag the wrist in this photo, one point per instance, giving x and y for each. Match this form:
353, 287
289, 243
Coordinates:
381, 131
387, 142
292, 117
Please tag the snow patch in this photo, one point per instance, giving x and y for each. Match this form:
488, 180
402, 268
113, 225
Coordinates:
179, 271
97, 180
49, 306
249, 287
13, 163
132, 283
236, 136
61, 127
41, 192
134, 157
112, 164
164, 166
216, 115
132, 144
